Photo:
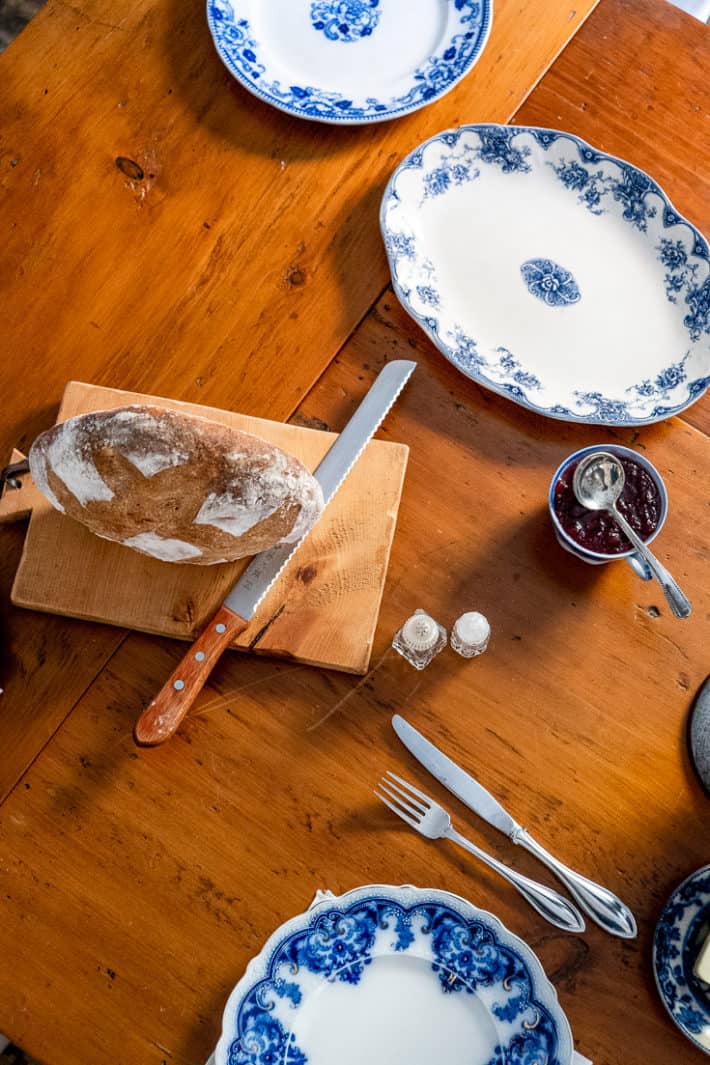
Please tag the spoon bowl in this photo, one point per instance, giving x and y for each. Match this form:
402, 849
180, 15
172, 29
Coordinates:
597, 483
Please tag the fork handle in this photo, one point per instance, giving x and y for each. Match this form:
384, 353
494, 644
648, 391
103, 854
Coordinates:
548, 902
613, 915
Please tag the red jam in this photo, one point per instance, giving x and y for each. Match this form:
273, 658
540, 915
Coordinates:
596, 530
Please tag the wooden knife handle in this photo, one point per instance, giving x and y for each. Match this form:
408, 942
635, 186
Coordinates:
162, 717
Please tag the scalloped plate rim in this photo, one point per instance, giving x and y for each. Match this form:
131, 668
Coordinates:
705, 869
405, 894
481, 379
346, 120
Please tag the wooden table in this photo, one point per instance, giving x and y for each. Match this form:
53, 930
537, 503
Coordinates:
245, 270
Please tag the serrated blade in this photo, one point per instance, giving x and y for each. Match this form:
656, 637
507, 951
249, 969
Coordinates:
458, 782
264, 569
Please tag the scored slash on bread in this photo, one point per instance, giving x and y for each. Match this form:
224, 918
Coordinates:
175, 486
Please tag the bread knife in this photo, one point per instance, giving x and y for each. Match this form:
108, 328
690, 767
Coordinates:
602, 906
163, 716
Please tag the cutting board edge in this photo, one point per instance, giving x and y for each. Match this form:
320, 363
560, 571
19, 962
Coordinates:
21, 593
356, 670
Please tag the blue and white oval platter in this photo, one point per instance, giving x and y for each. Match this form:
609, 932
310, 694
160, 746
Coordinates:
680, 933
552, 273
349, 61
384, 975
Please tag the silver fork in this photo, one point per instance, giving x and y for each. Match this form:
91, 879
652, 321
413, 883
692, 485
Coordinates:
420, 812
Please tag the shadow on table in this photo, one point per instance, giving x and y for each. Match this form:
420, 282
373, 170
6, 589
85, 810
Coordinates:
25, 430
494, 427
222, 105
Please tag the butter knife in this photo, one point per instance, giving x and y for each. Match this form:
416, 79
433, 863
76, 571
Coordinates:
602, 906
163, 716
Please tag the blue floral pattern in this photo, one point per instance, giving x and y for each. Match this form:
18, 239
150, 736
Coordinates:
629, 188
550, 282
664, 383
697, 321
345, 20
682, 926
505, 369
457, 167
601, 184
450, 172
338, 945
348, 21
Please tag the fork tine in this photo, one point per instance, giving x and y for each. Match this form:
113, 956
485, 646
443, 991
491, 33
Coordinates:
396, 810
417, 807
402, 799
428, 803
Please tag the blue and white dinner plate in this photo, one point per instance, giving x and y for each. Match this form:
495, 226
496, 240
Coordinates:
386, 974
349, 61
680, 933
552, 273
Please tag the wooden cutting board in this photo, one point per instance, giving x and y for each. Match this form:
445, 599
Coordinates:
322, 610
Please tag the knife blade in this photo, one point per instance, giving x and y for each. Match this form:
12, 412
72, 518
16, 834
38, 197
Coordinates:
265, 568
163, 715
458, 782
602, 905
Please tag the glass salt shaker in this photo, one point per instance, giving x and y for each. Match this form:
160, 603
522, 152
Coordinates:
420, 639
470, 634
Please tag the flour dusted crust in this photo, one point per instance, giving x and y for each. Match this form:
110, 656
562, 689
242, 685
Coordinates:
174, 486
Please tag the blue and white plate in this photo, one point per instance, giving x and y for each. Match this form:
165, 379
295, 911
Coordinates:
384, 975
552, 273
680, 933
349, 61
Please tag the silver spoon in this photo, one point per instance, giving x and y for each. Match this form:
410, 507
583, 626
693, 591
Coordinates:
598, 482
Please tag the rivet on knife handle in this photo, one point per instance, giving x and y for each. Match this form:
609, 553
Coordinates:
162, 717
167, 710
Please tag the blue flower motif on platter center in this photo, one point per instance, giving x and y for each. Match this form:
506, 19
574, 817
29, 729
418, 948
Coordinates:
441, 175
550, 282
345, 20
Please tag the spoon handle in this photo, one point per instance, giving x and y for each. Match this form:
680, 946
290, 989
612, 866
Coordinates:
677, 600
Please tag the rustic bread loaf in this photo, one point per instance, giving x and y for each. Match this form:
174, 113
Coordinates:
174, 486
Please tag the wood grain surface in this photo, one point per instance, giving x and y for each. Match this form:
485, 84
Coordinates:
575, 717
250, 241
229, 274
140, 883
165, 712
322, 610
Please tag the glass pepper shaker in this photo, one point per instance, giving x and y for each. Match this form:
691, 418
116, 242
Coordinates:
420, 639
470, 634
